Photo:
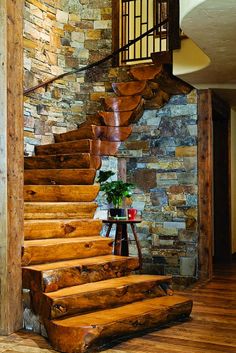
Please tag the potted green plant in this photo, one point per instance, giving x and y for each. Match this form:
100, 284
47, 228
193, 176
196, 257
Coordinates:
116, 191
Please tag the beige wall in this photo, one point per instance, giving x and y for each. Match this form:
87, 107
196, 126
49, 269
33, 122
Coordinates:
233, 177
187, 5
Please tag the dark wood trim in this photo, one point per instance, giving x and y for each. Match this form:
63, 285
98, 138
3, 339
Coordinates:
115, 30
222, 179
212, 110
174, 32
205, 186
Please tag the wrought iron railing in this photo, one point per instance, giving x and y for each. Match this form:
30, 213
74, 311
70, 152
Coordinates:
137, 17
114, 54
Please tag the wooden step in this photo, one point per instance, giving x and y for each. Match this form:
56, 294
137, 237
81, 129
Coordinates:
59, 176
146, 72
122, 104
95, 147
61, 228
64, 161
104, 133
122, 118
53, 276
63, 193
101, 295
58, 210
162, 75
133, 88
51, 250
77, 334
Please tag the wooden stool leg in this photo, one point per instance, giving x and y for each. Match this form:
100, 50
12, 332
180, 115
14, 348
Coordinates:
121, 240
108, 230
118, 240
138, 246
124, 241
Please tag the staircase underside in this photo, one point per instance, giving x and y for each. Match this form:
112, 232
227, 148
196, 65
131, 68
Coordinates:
84, 295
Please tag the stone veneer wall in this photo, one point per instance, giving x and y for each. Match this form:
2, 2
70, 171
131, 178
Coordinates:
164, 168
161, 157
60, 35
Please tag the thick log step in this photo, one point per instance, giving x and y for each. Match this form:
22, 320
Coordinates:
102, 295
51, 250
104, 133
122, 118
146, 72
95, 147
64, 161
133, 88
53, 276
59, 210
77, 334
62, 193
122, 104
59, 176
161, 74
61, 228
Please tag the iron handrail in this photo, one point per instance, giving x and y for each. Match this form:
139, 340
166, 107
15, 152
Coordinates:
98, 62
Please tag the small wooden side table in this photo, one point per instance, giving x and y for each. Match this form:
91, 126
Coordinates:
121, 246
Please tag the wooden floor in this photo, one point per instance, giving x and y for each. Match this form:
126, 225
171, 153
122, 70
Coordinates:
211, 329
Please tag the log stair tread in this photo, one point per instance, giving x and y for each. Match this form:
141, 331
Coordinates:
51, 250
121, 118
95, 147
61, 228
49, 277
46, 242
162, 75
62, 193
63, 161
79, 333
104, 317
80, 262
107, 284
132, 88
105, 133
123, 104
59, 176
103, 294
50, 210
146, 72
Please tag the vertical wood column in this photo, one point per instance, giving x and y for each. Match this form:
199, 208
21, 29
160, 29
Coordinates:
11, 164
205, 183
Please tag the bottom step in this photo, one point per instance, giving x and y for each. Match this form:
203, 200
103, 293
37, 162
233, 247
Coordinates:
76, 334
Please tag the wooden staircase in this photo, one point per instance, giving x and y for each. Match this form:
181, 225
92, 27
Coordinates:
84, 295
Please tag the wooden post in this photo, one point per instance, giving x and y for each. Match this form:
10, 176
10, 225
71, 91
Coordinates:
122, 169
11, 164
205, 183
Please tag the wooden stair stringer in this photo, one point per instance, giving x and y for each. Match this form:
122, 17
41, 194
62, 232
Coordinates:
68, 267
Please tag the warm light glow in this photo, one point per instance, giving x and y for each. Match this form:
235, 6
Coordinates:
189, 58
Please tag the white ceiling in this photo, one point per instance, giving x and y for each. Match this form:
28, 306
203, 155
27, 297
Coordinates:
212, 26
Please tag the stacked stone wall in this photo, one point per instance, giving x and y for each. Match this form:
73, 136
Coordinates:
162, 161
60, 35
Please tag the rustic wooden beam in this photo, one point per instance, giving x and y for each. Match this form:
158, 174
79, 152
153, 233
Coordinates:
205, 183
11, 176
